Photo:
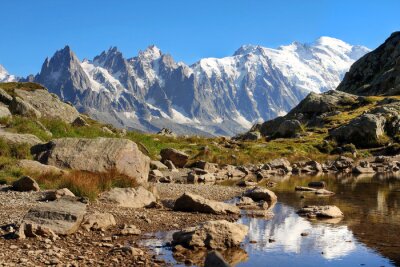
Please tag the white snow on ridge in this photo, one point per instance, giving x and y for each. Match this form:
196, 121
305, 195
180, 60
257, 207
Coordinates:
4, 76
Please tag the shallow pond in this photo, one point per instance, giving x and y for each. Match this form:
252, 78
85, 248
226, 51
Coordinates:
368, 235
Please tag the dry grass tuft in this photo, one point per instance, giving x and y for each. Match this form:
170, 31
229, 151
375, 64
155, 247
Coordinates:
86, 184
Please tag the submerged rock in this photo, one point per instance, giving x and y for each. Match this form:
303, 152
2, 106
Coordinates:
259, 193
321, 211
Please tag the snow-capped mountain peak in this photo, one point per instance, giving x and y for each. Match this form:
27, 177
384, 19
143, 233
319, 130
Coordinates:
213, 96
5, 76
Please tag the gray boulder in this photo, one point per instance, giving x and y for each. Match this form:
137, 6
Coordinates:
157, 165
129, 197
219, 234
194, 203
95, 155
364, 131
62, 216
259, 193
289, 129
178, 158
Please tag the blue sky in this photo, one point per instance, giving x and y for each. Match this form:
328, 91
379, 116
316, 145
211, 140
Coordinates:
188, 30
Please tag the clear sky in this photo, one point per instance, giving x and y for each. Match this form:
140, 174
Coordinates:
187, 29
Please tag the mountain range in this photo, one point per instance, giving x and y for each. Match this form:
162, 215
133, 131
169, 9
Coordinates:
214, 96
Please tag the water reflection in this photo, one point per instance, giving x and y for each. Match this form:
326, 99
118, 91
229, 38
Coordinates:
367, 236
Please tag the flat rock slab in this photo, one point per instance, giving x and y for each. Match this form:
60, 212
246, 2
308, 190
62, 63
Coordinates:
195, 203
128, 197
62, 216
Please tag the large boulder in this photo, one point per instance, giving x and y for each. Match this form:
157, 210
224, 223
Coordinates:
219, 234
260, 193
289, 129
194, 203
129, 197
25, 184
62, 216
95, 155
364, 131
47, 104
178, 158
18, 139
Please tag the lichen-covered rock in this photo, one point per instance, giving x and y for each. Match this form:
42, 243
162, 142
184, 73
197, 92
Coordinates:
364, 131
95, 155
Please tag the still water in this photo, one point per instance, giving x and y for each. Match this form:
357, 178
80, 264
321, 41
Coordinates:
368, 235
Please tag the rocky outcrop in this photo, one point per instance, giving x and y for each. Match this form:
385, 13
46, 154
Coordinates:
194, 203
95, 155
178, 158
62, 216
25, 184
376, 73
364, 131
212, 235
128, 197
310, 112
15, 138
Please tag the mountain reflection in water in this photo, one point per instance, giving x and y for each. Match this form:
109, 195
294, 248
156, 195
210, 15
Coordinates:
368, 235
